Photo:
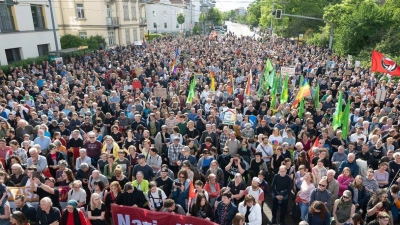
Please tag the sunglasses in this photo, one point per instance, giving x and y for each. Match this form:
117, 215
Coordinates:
321, 185
346, 197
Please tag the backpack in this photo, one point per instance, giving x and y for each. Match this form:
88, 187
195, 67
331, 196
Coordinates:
159, 196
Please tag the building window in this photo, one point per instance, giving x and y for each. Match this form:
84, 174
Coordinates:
83, 34
13, 55
127, 36
133, 9
43, 49
154, 13
177, 25
37, 16
6, 18
80, 12
155, 25
126, 11
111, 38
165, 25
135, 34
109, 12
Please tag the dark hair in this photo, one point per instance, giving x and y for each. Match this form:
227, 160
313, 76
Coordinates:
100, 184
238, 217
19, 217
69, 174
197, 206
394, 188
168, 203
318, 205
227, 194
152, 184
357, 219
199, 183
184, 173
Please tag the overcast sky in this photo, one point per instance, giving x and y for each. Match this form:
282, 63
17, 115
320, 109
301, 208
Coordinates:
225, 5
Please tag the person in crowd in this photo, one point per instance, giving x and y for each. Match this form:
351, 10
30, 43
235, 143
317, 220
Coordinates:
318, 214
356, 219
357, 189
251, 210
143, 167
351, 164
344, 180
140, 183
217, 171
119, 176
110, 167
133, 196
113, 197
281, 186
201, 208
171, 207
18, 218
225, 210
303, 196
52, 159
393, 195
382, 218
381, 175
46, 189
77, 193
319, 171
238, 219
26, 208
180, 190
72, 215
321, 194
96, 210
343, 208
155, 197
378, 203
47, 213
17, 173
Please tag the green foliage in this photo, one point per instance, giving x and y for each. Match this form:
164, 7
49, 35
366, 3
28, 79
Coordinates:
24, 63
196, 29
254, 13
181, 18
214, 16
154, 36
71, 41
96, 42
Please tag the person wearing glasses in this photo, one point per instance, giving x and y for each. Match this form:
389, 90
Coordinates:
343, 208
321, 193
383, 218
77, 193
93, 148
180, 190
378, 203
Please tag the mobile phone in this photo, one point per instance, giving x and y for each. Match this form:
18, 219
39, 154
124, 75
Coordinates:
178, 184
36, 174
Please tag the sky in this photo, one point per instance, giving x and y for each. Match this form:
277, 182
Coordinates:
226, 5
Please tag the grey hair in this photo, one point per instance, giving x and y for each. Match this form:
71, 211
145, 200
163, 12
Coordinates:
57, 143
31, 150
331, 171
82, 150
47, 200
17, 166
84, 165
63, 163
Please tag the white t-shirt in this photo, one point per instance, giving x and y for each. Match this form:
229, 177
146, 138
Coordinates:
265, 151
154, 198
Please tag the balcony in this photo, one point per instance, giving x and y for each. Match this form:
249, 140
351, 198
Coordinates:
7, 23
142, 22
112, 21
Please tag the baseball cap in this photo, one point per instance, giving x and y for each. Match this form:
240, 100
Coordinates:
141, 156
256, 179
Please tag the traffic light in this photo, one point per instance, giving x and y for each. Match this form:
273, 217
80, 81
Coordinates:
278, 14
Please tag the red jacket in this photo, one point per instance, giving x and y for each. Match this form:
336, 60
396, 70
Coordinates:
208, 189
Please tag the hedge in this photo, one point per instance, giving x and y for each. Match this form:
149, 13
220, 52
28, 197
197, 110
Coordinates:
154, 36
24, 63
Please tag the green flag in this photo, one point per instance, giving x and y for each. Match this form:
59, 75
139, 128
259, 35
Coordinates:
338, 113
301, 80
268, 67
345, 118
260, 86
285, 90
273, 93
316, 97
301, 109
191, 91
271, 78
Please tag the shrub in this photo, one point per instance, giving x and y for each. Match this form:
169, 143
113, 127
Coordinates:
24, 63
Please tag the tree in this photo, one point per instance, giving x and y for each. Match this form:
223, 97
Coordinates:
214, 16
71, 41
96, 42
181, 19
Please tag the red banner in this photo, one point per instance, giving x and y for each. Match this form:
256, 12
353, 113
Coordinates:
384, 65
124, 215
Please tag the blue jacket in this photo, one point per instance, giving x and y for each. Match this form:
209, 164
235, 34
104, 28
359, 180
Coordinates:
230, 213
362, 196
181, 197
354, 168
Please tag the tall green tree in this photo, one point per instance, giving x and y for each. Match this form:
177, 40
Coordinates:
214, 16
180, 19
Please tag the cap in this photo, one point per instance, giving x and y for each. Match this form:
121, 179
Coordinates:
52, 146
141, 156
347, 193
72, 203
256, 179
164, 170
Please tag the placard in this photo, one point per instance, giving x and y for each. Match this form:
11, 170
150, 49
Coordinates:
160, 92
380, 95
358, 63
331, 64
31, 197
288, 70
347, 72
230, 117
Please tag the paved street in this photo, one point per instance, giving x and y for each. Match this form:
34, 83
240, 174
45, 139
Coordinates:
239, 29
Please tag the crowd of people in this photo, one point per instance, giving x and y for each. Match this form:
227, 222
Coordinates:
83, 124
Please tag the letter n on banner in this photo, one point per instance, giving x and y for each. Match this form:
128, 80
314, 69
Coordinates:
123, 215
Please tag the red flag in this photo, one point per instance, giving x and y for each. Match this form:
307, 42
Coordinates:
192, 192
384, 65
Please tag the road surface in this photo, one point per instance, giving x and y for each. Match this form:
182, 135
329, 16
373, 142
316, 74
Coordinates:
239, 29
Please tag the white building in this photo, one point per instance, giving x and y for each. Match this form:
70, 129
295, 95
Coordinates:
25, 30
241, 11
162, 15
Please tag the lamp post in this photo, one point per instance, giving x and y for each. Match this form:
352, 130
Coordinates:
54, 28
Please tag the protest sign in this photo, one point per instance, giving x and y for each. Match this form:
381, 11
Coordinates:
288, 70
160, 92
230, 117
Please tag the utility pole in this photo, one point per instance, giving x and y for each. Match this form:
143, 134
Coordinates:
191, 15
320, 19
54, 29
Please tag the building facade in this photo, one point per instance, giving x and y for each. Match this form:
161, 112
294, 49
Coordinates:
120, 22
26, 30
162, 15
